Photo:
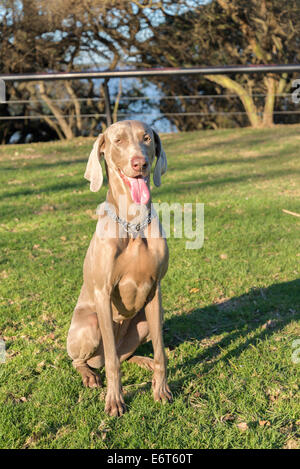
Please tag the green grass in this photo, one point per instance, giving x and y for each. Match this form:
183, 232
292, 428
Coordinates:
231, 308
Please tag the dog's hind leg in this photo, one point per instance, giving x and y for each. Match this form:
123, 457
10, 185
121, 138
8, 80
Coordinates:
84, 344
144, 362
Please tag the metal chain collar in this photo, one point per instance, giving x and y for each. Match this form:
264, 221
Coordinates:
131, 228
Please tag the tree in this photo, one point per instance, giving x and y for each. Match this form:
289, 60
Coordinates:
58, 35
230, 32
65, 35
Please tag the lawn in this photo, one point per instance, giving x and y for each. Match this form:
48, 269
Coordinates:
232, 307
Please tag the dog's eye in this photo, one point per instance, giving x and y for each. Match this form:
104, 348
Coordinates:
147, 138
118, 140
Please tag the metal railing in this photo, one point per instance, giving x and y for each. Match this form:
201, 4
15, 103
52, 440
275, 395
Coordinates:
154, 72
144, 98
151, 72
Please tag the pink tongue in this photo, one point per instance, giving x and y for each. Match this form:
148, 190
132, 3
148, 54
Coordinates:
139, 190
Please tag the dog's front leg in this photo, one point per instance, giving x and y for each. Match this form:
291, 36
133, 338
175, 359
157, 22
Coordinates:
154, 316
114, 402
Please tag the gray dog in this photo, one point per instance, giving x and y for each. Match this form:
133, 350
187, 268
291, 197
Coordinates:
119, 306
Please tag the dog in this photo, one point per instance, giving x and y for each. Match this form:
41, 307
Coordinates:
119, 306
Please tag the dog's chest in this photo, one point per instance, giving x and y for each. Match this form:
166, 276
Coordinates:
137, 270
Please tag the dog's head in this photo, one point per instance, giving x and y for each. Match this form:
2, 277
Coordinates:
129, 149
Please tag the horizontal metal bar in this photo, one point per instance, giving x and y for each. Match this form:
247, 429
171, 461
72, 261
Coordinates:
159, 116
62, 100
42, 116
139, 98
152, 72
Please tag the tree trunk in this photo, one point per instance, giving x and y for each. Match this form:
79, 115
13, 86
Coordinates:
76, 105
269, 102
273, 87
245, 97
66, 129
117, 102
54, 127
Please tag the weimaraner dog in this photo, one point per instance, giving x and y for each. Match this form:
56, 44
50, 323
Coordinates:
119, 306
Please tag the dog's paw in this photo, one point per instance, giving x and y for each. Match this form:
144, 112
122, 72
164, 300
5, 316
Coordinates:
89, 378
114, 404
161, 391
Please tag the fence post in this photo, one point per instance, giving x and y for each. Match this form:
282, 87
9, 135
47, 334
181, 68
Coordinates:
107, 103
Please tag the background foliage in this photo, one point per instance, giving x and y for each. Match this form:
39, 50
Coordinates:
40, 35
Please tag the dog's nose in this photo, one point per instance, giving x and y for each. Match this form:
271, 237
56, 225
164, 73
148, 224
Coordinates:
139, 163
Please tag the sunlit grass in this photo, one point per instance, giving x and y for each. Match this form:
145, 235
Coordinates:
231, 308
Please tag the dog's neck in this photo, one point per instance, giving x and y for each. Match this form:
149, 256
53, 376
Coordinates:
119, 196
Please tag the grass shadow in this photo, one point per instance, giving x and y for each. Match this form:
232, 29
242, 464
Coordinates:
44, 165
259, 313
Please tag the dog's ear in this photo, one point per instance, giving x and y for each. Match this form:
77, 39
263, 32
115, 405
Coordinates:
93, 172
161, 161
